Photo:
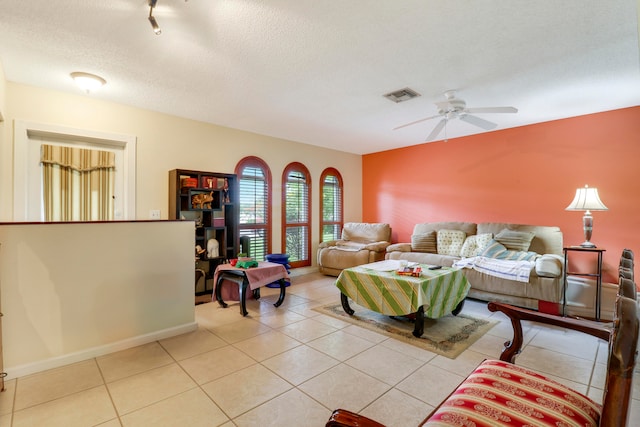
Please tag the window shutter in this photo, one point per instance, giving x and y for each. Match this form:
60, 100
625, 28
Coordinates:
331, 214
254, 211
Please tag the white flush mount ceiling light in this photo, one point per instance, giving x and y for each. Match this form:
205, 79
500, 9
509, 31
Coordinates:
88, 82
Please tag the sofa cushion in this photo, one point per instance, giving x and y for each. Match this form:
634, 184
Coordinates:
424, 242
425, 227
547, 240
515, 240
450, 242
366, 232
347, 245
498, 251
473, 245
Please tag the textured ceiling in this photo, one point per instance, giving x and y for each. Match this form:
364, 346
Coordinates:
315, 71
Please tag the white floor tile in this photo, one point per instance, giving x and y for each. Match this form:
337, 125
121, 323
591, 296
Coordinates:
278, 366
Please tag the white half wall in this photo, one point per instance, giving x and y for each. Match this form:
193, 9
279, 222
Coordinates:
72, 291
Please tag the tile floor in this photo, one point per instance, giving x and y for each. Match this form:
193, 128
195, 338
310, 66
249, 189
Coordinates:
288, 366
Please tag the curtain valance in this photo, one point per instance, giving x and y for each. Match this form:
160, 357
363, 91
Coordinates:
80, 159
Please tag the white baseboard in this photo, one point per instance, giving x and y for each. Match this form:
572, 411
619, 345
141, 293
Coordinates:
89, 353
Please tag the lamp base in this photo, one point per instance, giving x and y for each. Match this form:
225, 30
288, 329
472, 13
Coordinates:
587, 244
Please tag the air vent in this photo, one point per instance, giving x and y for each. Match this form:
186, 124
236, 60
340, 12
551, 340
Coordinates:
402, 95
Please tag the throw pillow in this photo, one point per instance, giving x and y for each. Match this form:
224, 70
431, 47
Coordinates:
450, 242
515, 240
498, 251
493, 249
474, 244
424, 242
469, 247
483, 241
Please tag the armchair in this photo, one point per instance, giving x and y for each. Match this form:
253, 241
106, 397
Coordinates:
360, 243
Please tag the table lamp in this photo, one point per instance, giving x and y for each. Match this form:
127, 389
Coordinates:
587, 200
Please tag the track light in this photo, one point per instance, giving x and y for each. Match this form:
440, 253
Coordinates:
154, 25
152, 19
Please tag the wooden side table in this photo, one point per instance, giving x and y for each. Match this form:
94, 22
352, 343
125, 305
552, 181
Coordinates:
597, 275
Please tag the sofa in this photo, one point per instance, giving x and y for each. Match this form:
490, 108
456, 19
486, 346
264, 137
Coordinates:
360, 243
536, 251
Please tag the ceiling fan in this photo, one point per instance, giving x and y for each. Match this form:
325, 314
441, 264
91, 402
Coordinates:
456, 108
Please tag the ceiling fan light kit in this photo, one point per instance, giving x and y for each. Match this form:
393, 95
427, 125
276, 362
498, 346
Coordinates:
456, 108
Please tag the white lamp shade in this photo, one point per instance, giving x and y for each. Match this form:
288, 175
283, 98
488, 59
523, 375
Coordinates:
587, 199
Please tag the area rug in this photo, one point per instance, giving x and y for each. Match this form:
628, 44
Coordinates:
448, 336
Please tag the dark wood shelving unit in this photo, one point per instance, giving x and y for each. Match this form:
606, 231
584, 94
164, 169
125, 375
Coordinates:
216, 218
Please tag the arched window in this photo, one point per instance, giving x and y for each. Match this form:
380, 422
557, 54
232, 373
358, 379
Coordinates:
296, 214
254, 178
331, 206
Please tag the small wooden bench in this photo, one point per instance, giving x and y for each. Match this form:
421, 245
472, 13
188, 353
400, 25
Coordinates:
500, 393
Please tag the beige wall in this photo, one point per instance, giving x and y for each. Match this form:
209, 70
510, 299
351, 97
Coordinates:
167, 142
63, 301
5, 174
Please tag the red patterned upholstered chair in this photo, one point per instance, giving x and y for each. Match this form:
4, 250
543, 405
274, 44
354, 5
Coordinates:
499, 393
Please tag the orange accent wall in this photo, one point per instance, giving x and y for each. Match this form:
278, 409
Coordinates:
525, 175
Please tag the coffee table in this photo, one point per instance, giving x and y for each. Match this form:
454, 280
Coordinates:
378, 287
250, 278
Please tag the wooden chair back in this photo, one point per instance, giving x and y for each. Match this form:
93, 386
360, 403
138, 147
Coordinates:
621, 363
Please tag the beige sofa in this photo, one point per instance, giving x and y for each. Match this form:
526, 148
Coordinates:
543, 291
360, 243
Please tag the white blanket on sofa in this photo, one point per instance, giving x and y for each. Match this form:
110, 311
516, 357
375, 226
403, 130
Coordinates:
506, 269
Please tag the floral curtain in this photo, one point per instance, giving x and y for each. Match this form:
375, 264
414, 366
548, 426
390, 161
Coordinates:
78, 183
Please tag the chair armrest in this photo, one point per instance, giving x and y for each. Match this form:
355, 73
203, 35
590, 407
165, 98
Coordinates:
344, 418
400, 247
377, 246
516, 314
327, 244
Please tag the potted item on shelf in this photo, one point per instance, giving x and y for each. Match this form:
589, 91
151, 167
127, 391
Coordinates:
202, 200
225, 191
189, 182
207, 181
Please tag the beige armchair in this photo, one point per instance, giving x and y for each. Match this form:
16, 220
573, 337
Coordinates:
361, 243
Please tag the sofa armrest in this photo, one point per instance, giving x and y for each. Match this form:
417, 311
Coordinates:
517, 314
399, 247
549, 265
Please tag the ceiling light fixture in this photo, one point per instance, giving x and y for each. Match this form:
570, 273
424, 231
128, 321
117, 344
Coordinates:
152, 19
88, 82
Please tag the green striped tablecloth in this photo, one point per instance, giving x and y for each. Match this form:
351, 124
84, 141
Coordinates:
387, 292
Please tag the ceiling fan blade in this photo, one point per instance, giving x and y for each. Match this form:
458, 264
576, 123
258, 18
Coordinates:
436, 130
417, 121
477, 121
492, 110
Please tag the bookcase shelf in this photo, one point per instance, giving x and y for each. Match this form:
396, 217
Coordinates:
216, 217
